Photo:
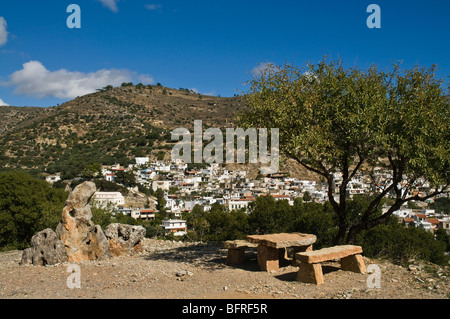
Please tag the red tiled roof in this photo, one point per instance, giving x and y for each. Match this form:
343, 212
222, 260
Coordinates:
434, 221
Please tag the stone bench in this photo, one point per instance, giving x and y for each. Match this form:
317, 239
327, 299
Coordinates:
311, 270
236, 250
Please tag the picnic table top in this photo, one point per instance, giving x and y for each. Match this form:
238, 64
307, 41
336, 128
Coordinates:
283, 240
238, 244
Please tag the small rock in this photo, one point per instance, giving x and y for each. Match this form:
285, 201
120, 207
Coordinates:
413, 267
183, 273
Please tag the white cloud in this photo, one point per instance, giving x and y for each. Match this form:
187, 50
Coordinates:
153, 7
110, 4
212, 93
2, 103
35, 80
261, 68
3, 32
146, 79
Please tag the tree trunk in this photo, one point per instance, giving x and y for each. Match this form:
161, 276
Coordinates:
342, 232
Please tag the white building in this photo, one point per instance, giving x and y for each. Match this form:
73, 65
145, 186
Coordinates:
142, 160
164, 185
175, 226
144, 214
425, 225
235, 204
53, 178
401, 213
103, 198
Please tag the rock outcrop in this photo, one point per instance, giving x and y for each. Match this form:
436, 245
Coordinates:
46, 249
83, 240
124, 239
77, 238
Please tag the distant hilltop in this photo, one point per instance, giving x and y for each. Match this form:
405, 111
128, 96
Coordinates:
113, 125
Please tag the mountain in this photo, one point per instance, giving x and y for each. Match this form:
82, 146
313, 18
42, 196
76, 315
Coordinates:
12, 117
111, 126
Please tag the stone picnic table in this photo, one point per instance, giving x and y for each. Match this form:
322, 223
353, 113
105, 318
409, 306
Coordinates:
270, 246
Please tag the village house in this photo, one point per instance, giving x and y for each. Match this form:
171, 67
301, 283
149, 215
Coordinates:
175, 226
242, 203
145, 214
142, 161
164, 185
105, 198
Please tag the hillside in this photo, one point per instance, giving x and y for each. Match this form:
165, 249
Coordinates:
111, 126
12, 117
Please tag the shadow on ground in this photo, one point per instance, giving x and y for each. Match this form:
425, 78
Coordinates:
205, 255
292, 276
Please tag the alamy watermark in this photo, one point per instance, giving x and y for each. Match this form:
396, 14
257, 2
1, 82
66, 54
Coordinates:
74, 19
74, 279
232, 149
374, 279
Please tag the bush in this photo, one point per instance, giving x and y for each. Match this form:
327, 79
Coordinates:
27, 205
402, 244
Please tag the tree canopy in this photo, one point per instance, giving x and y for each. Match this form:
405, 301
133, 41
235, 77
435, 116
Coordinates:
351, 121
27, 205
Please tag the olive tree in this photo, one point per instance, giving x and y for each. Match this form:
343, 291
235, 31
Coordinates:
352, 122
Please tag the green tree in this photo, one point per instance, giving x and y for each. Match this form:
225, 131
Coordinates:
126, 178
226, 225
307, 197
161, 201
441, 205
92, 170
198, 224
268, 216
332, 119
102, 216
27, 205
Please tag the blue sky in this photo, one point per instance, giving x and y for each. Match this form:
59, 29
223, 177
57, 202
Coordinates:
210, 46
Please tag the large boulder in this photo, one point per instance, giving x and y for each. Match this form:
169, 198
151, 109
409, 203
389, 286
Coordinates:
124, 239
82, 239
46, 249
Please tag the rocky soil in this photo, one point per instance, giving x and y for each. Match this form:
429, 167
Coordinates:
176, 270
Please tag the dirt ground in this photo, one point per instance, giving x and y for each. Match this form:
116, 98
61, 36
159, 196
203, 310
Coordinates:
175, 270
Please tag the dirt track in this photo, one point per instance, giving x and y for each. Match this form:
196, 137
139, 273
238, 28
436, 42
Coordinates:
174, 270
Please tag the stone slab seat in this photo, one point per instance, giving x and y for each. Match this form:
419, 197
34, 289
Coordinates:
236, 250
311, 271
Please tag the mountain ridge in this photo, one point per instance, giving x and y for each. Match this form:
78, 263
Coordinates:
113, 125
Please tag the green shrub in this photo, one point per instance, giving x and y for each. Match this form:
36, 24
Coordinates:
402, 244
27, 205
